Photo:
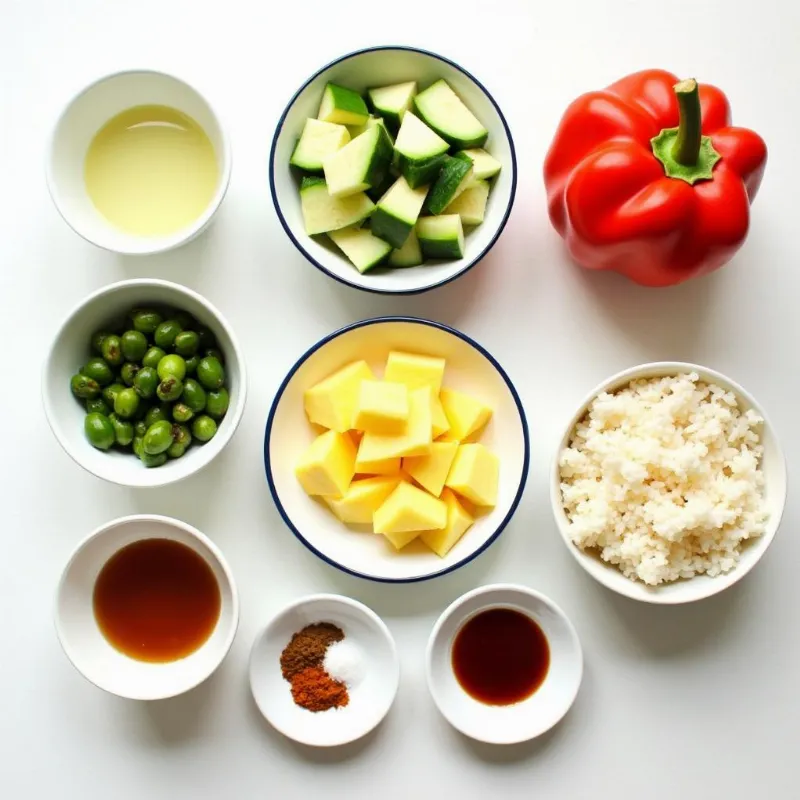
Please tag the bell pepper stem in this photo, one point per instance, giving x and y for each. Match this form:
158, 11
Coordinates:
687, 143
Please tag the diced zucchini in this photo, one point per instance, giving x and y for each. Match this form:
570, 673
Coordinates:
360, 164
409, 255
420, 151
371, 122
323, 213
484, 166
392, 102
376, 192
443, 110
342, 106
441, 237
364, 250
317, 141
397, 212
454, 178
471, 204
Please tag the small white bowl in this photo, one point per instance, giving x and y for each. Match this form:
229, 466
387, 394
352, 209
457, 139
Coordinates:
87, 648
524, 720
83, 117
380, 66
470, 369
71, 349
370, 699
700, 586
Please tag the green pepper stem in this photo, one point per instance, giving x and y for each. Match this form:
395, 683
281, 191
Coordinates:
686, 148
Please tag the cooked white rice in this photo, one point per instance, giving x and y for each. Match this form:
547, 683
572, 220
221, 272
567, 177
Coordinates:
663, 479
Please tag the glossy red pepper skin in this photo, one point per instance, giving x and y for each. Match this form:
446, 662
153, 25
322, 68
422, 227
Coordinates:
611, 201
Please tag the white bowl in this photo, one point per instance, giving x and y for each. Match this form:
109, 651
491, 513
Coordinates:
87, 648
524, 720
380, 66
77, 125
470, 369
700, 586
370, 699
71, 349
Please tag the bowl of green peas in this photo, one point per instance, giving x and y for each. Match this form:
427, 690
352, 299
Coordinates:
145, 383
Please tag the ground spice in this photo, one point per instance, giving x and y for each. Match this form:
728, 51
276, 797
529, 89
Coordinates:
315, 690
307, 647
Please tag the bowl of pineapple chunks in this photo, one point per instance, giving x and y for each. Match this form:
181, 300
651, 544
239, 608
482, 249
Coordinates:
397, 449
393, 170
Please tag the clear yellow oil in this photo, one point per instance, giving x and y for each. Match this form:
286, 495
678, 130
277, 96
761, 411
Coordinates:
151, 170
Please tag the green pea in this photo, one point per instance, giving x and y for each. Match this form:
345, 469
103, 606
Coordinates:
145, 320
126, 403
169, 389
152, 357
99, 431
83, 387
166, 332
139, 429
204, 428
98, 370
128, 373
110, 392
123, 430
134, 345
97, 406
176, 450
191, 364
210, 372
111, 350
194, 395
186, 343
146, 382
181, 412
181, 435
157, 414
213, 352
218, 402
137, 446
207, 338
171, 367
97, 341
153, 461
158, 438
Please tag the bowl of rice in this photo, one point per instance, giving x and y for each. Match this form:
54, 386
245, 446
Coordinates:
669, 483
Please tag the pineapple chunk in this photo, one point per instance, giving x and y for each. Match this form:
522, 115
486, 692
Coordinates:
475, 474
332, 402
415, 441
362, 499
415, 371
327, 467
439, 420
431, 471
409, 510
465, 414
381, 407
386, 466
459, 521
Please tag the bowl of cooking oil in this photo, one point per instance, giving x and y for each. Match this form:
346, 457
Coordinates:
138, 162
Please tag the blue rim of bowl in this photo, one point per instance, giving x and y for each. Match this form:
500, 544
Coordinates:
417, 321
279, 128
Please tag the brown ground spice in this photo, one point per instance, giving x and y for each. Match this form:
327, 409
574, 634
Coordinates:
307, 647
315, 690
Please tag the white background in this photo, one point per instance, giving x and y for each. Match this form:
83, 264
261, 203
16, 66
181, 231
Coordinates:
694, 702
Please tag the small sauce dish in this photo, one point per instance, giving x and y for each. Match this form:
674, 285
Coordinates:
538, 712
369, 699
91, 653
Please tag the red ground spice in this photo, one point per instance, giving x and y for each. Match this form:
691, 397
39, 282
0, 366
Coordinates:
315, 690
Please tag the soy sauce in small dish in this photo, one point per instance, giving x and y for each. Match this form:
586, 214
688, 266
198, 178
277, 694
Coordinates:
156, 600
500, 656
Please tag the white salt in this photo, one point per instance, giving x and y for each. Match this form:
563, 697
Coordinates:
344, 662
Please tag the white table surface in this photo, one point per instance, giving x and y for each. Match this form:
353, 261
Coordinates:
695, 702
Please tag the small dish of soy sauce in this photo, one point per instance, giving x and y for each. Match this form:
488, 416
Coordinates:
504, 664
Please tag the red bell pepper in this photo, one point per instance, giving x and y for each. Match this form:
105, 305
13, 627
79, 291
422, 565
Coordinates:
648, 178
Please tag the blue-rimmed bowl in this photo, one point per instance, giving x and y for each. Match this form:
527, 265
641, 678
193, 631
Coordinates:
470, 369
380, 66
